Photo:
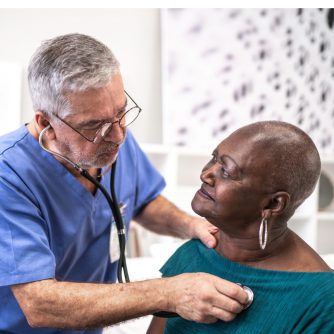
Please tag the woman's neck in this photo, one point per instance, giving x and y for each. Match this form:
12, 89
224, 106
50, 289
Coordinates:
285, 251
247, 250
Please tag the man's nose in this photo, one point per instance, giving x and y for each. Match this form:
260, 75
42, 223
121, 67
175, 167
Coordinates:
115, 134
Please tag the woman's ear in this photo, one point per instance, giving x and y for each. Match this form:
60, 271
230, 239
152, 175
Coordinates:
277, 204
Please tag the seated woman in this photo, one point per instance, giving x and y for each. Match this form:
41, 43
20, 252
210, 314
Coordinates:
251, 187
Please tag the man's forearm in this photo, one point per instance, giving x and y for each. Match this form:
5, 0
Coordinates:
198, 297
84, 305
163, 217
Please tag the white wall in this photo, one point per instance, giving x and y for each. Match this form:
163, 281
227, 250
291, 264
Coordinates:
132, 34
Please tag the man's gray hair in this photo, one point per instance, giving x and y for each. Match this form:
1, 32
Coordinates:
68, 63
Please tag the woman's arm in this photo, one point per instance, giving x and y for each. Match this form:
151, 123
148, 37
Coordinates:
157, 326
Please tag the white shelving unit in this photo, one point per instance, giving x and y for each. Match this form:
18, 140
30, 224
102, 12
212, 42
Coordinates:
181, 168
325, 217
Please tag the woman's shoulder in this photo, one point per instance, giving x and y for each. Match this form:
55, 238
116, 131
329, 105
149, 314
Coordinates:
183, 259
307, 259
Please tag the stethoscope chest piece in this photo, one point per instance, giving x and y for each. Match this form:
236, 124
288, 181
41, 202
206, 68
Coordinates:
250, 294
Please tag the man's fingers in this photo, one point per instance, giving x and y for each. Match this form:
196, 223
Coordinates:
208, 240
223, 315
206, 233
228, 304
204, 298
233, 291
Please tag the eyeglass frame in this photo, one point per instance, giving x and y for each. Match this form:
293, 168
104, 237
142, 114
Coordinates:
105, 122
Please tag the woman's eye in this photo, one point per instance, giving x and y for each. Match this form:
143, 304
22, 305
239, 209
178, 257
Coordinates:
224, 172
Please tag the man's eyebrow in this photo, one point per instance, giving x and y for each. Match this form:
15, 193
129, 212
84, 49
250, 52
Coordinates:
97, 121
90, 122
125, 103
123, 108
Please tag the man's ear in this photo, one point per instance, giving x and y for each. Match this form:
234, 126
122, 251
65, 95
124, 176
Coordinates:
277, 204
41, 122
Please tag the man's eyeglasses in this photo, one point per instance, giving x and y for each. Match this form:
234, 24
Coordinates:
97, 134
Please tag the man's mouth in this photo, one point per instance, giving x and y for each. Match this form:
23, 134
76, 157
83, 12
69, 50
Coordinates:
109, 150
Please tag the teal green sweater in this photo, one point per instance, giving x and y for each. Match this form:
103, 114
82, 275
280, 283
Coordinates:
284, 302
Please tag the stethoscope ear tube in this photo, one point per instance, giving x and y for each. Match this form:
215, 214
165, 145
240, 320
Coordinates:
111, 201
40, 140
120, 228
117, 218
165, 314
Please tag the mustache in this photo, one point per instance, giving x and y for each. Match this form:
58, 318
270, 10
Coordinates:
108, 148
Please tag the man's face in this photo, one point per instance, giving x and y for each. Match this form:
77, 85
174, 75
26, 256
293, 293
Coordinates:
233, 189
88, 111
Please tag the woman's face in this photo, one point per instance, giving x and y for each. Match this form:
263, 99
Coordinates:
233, 191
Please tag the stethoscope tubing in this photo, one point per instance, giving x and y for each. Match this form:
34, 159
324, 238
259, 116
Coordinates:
112, 201
113, 204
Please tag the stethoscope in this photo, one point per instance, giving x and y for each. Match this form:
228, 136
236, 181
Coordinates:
114, 206
112, 201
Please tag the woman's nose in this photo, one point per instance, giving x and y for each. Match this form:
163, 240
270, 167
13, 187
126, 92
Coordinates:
208, 175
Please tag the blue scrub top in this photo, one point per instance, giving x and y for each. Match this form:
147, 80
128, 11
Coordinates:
53, 227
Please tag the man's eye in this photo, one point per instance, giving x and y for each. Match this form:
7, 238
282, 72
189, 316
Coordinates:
90, 127
121, 114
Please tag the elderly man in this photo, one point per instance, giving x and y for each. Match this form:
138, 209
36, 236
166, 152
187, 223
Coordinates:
55, 225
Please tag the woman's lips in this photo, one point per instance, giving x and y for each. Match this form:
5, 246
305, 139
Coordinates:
202, 192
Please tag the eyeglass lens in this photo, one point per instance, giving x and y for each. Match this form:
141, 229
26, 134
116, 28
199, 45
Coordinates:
123, 122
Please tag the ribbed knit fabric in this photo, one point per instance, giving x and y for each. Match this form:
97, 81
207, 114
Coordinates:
284, 302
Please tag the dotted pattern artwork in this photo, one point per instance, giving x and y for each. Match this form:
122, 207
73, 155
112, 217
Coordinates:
226, 68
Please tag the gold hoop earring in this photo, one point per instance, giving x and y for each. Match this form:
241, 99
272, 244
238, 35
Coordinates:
263, 233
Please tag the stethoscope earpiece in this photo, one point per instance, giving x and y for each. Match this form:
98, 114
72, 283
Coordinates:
40, 140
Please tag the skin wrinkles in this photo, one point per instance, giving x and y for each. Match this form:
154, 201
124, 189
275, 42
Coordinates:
247, 180
237, 202
231, 168
96, 122
272, 160
75, 305
101, 103
229, 191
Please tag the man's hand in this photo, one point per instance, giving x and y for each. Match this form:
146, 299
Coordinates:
203, 230
204, 298
163, 217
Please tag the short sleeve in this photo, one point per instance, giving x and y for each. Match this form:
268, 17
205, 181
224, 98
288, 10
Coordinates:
24, 246
149, 182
